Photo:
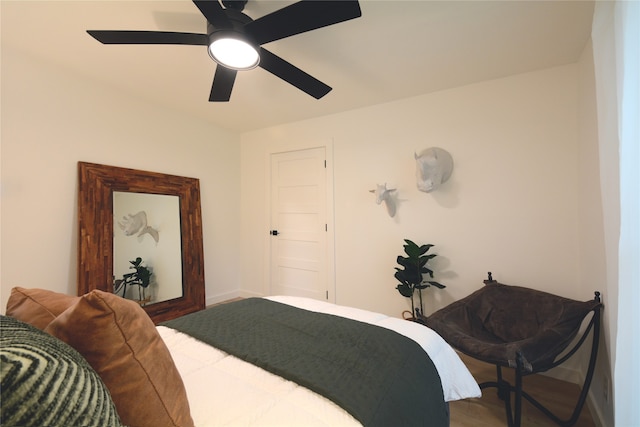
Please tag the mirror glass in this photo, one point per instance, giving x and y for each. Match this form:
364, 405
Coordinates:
147, 252
140, 236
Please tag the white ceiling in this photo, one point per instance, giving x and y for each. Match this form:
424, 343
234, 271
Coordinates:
397, 49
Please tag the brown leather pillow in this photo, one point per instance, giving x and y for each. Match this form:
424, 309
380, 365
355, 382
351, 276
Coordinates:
37, 307
121, 343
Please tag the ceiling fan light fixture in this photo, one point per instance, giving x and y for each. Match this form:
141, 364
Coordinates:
233, 52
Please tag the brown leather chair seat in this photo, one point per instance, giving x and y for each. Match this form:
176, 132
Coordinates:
520, 328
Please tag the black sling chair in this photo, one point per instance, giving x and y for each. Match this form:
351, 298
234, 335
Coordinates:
523, 329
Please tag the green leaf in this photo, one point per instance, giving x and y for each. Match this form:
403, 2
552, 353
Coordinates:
425, 248
403, 261
437, 285
401, 277
428, 271
412, 250
405, 290
413, 276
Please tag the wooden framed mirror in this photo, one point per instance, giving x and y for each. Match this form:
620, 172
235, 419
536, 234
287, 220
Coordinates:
143, 229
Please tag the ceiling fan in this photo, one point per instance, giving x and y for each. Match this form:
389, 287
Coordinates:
231, 34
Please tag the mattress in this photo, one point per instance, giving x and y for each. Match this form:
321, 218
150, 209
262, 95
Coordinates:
226, 391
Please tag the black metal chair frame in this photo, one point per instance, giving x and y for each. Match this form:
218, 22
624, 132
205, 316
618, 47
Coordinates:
523, 368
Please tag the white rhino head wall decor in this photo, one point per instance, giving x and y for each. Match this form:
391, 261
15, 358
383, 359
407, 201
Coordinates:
433, 167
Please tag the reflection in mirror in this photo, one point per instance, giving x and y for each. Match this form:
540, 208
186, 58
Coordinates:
147, 252
140, 235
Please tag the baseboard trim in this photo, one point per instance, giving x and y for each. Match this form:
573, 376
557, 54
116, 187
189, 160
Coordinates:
594, 408
565, 373
577, 377
216, 299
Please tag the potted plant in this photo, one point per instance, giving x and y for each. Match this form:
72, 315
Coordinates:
410, 276
141, 277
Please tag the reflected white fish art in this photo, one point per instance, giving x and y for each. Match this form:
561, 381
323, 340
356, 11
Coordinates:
137, 224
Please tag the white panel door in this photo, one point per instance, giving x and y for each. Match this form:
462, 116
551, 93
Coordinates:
299, 224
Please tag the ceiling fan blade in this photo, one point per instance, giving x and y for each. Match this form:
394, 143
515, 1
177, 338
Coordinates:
222, 84
300, 17
213, 11
148, 37
293, 75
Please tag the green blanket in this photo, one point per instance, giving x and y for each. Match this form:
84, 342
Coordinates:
379, 376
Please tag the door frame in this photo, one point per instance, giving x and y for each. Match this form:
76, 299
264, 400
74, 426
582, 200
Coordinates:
284, 147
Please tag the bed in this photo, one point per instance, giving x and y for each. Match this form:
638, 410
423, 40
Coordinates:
198, 384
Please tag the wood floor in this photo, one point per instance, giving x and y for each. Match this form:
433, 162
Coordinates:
559, 396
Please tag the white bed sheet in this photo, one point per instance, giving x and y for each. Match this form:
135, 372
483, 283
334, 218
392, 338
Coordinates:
226, 391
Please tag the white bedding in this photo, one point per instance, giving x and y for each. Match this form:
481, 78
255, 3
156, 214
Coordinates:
226, 391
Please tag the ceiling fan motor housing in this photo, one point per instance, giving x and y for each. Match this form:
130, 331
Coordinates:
234, 4
237, 20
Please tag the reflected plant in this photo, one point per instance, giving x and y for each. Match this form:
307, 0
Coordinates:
140, 277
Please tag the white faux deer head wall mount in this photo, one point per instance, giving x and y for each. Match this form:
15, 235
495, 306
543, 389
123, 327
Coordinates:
433, 168
383, 194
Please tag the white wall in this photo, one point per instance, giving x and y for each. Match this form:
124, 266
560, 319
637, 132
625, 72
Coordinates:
51, 119
592, 261
510, 207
